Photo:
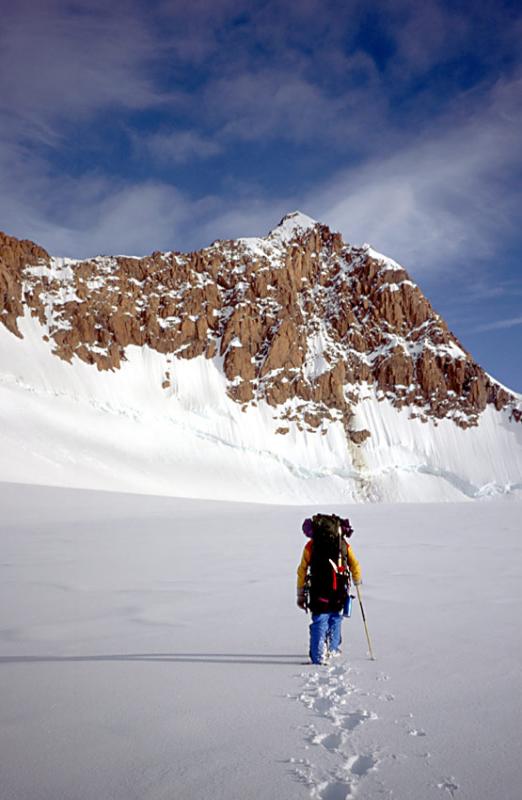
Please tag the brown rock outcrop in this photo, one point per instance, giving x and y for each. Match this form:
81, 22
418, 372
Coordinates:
359, 437
307, 318
15, 256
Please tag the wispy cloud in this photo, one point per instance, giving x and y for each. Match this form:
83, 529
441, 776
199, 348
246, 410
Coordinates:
444, 199
61, 63
498, 325
427, 177
259, 106
93, 213
179, 146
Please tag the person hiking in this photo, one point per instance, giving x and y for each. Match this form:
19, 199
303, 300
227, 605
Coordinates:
323, 581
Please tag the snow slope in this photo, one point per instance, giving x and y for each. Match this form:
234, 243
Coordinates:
150, 649
71, 425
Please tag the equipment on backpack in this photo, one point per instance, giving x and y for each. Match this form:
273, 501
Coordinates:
364, 621
306, 593
348, 605
329, 573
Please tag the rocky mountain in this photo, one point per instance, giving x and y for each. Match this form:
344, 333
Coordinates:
303, 328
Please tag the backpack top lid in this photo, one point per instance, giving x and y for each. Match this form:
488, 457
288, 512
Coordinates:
327, 525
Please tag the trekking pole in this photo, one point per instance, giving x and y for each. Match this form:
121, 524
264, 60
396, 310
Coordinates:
364, 620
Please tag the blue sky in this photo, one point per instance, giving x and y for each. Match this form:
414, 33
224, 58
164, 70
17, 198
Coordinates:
135, 126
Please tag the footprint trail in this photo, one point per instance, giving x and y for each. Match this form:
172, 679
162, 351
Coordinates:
357, 745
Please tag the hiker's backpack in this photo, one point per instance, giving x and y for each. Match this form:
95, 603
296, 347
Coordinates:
329, 574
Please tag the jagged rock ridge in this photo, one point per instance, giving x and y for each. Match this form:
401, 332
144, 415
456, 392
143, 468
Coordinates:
300, 319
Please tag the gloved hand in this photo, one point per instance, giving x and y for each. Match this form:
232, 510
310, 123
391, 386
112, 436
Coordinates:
301, 600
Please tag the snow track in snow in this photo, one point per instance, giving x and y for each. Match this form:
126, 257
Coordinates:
350, 724
332, 697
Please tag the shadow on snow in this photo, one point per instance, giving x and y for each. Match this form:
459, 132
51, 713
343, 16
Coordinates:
179, 658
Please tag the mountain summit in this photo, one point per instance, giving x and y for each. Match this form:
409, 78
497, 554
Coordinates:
312, 338
293, 225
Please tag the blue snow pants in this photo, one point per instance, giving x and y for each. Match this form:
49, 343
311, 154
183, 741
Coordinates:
325, 635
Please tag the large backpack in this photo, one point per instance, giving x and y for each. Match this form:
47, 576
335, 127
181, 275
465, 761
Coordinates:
329, 575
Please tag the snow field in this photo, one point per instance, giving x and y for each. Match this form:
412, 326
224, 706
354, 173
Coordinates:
151, 648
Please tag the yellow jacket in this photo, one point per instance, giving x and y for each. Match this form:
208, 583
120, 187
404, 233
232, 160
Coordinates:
302, 569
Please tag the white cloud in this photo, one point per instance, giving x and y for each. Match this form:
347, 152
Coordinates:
282, 103
62, 62
498, 325
180, 146
81, 217
434, 198
443, 200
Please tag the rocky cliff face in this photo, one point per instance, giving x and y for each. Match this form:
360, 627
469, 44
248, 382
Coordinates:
300, 319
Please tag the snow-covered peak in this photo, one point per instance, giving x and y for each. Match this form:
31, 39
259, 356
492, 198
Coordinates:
388, 262
292, 225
